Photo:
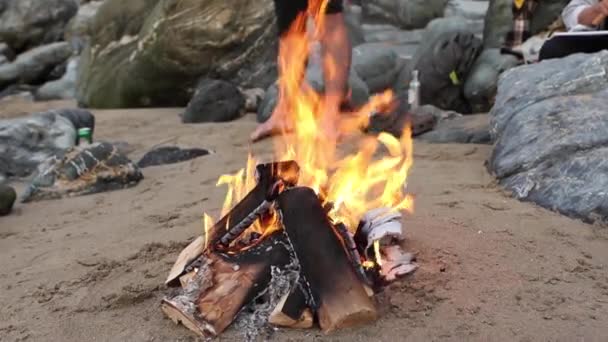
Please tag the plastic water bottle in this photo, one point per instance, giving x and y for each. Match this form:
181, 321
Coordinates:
84, 134
413, 94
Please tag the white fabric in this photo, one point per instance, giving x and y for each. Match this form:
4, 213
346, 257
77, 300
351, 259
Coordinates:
572, 11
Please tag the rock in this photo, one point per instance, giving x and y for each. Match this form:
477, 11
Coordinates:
378, 68
80, 118
83, 170
394, 123
444, 60
147, 53
214, 101
34, 65
62, 89
170, 155
268, 103
352, 18
6, 51
79, 28
382, 33
3, 60
7, 199
25, 24
407, 14
480, 86
26, 142
499, 19
473, 129
549, 123
468, 9
253, 98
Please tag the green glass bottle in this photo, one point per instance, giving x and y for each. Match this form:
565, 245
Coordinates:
84, 134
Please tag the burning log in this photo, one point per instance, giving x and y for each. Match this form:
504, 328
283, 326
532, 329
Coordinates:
223, 284
337, 293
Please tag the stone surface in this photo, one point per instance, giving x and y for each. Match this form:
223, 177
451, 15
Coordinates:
83, 170
79, 29
474, 129
25, 24
26, 142
153, 52
34, 65
170, 155
6, 51
63, 88
378, 68
352, 18
214, 101
480, 86
253, 99
7, 199
407, 14
549, 123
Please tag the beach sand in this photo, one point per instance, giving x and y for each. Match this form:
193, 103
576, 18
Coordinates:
492, 268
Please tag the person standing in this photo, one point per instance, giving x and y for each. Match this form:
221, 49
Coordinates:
335, 48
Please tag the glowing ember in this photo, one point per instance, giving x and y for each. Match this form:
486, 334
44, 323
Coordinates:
353, 184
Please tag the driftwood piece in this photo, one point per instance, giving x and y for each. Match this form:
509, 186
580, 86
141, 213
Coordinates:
339, 296
224, 285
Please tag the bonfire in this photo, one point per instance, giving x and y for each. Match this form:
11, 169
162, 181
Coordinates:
310, 235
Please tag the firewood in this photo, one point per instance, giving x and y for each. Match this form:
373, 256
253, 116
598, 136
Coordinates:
278, 318
339, 297
267, 175
292, 310
224, 285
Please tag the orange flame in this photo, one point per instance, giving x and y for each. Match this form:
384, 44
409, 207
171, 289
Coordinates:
355, 183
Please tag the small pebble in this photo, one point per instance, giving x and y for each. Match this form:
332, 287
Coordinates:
236, 267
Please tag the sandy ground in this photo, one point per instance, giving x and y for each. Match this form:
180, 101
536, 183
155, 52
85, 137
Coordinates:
492, 269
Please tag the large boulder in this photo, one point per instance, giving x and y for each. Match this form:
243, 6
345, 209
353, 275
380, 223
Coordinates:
83, 170
63, 88
407, 14
25, 24
26, 142
214, 101
499, 19
79, 28
33, 66
378, 68
550, 123
480, 86
352, 18
152, 52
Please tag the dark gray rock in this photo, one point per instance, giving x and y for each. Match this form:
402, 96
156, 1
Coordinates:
268, 103
148, 52
170, 155
407, 14
83, 170
3, 60
80, 118
383, 33
33, 66
378, 68
480, 86
63, 88
6, 51
473, 129
25, 24
253, 98
27, 142
550, 122
7, 199
214, 101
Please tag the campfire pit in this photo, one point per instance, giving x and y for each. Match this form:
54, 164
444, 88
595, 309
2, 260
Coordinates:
232, 266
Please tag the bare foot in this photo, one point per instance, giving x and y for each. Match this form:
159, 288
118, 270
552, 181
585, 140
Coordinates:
277, 124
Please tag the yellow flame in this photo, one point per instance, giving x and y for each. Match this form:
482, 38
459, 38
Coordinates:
377, 252
354, 183
207, 223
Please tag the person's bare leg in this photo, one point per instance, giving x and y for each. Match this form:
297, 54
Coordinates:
337, 54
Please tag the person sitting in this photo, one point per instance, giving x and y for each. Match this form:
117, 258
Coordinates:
579, 15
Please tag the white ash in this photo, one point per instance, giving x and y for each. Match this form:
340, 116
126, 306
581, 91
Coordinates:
253, 321
201, 282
